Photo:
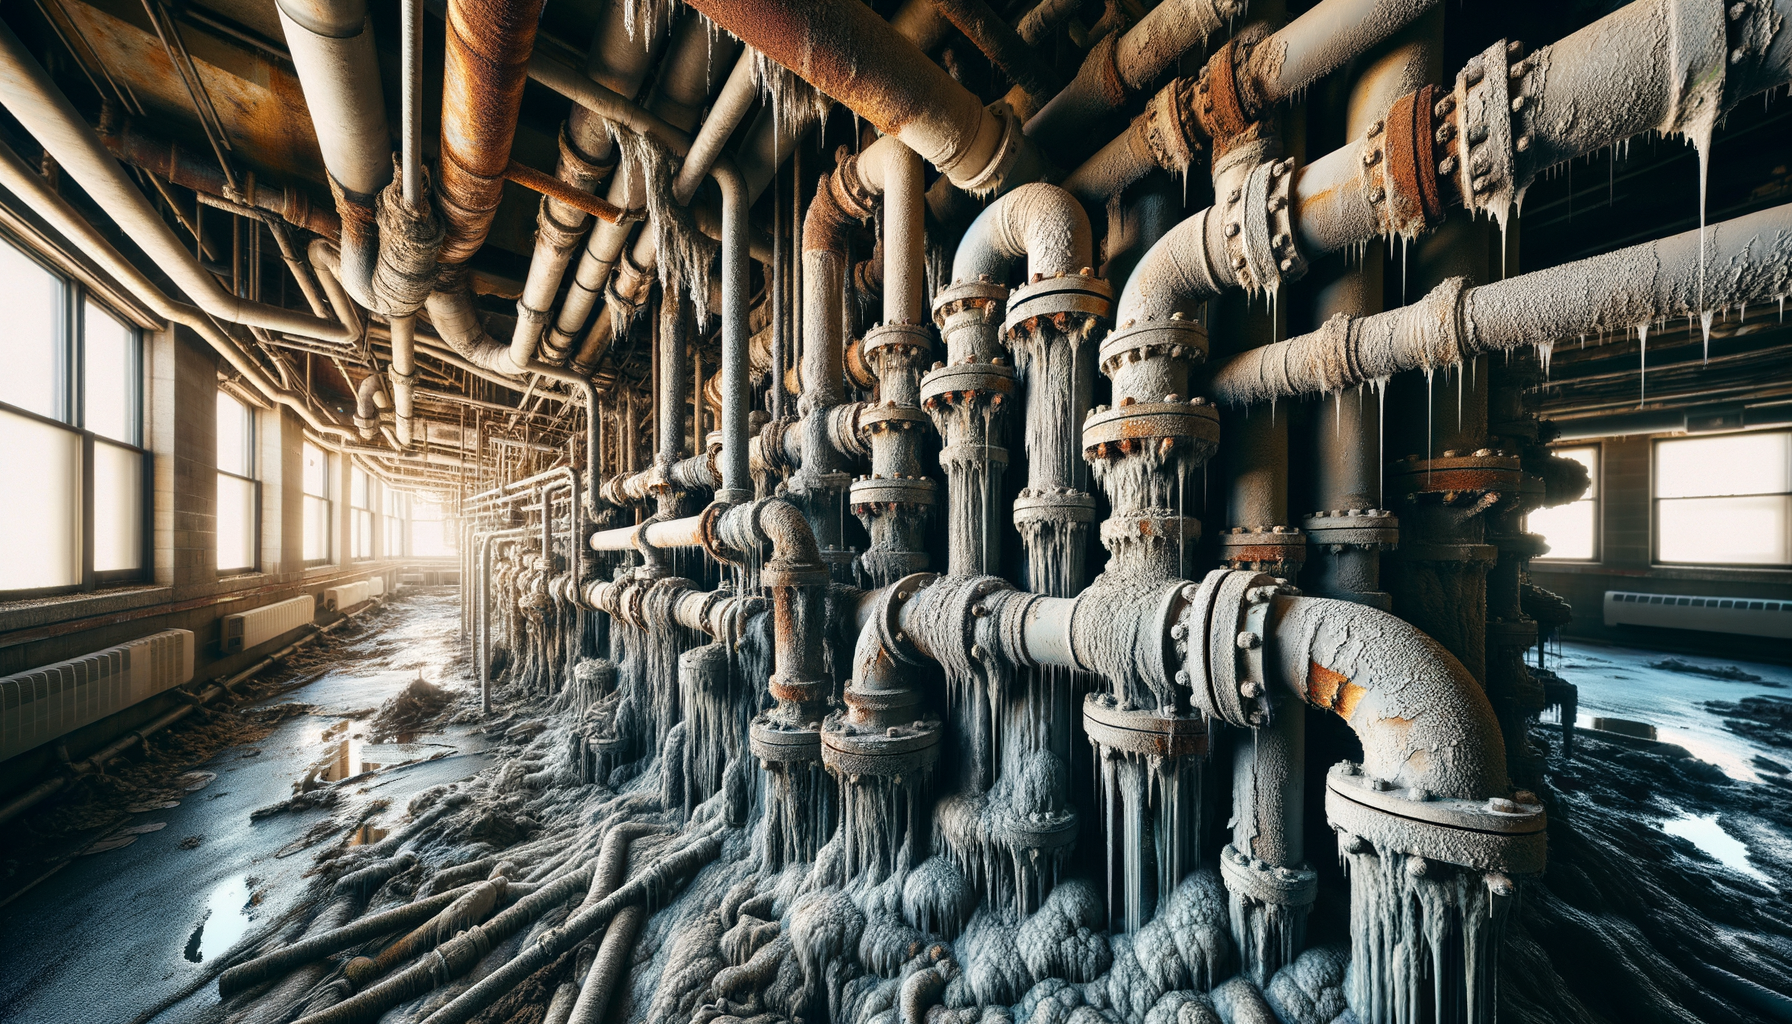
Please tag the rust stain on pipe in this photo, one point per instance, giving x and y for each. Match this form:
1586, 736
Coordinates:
560, 191
485, 66
1332, 691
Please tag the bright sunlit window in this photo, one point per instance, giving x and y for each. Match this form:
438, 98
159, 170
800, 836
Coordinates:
432, 532
395, 522
317, 504
238, 493
1572, 530
70, 434
1724, 500
360, 502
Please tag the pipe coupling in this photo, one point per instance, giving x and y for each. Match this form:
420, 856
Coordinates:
1222, 636
1259, 881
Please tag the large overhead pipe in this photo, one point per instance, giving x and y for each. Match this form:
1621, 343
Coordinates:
485, 67
331, 42
855, 57
1741, 261
25, 183
27, 91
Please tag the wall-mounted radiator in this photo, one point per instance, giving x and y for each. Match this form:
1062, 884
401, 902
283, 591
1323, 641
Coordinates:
257, 626
45, 703
1749, 616
340, 599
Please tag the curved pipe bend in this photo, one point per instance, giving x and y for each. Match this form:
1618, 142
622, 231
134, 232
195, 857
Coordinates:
1424, 721
1041, 222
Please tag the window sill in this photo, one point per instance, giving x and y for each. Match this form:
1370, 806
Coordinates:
43, 611
1666, 572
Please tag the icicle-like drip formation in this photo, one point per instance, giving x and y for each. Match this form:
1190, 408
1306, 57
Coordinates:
684, 253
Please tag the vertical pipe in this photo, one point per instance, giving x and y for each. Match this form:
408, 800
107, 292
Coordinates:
736, 483
411, 92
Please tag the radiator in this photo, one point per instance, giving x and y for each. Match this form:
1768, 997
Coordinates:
255, 627
1749, 616
338, 599
45, 703
376, 586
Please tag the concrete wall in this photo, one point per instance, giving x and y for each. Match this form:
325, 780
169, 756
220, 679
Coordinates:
1626, 562
184, 590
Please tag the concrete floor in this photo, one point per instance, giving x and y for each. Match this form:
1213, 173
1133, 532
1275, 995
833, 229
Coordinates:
116, 934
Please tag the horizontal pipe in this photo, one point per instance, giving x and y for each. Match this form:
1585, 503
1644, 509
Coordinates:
578, 199
28, 92
1741, 261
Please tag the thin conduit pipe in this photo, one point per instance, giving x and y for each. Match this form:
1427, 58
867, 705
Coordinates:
1745, 260
27, 91
612, 957
23, 182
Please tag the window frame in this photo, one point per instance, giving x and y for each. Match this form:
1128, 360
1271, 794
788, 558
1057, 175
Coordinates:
254, 482
1655, 500
325, 500
1597, 499
356, 514
72, 404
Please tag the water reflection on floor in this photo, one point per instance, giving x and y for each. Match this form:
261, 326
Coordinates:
1623, 682
1703, 831
227, 916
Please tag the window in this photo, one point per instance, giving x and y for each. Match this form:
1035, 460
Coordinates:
396, 522
1572, 530
239, 496
360, 501
1724, 500
71, 400
317, 504
432, 534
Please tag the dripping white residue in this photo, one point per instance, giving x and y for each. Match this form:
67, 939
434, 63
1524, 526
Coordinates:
1705, 326
1545, 349
1642, 337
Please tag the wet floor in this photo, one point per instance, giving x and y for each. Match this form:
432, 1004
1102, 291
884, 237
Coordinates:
1624, 682
130, 928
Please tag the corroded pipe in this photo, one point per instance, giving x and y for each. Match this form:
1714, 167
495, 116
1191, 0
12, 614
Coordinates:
485, 66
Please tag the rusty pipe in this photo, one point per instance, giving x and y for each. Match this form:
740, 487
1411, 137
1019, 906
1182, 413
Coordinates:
849, 53
168, 160
485, 67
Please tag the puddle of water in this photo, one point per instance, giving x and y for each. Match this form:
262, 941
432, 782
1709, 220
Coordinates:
1704, 832
367, 835
225, 920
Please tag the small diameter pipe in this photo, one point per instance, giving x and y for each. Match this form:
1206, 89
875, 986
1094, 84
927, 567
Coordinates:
578, 199
611, 962
403, 372
1746, 260
28, 92
411, 96
459, 954
1002, 45
273, 965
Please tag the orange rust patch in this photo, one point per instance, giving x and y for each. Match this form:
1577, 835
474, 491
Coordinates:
1334, 690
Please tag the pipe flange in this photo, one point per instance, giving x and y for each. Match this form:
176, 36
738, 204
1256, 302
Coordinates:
1219, 101
1008, 150
1224, 672
960, 455
1458, 476
989, 295
1175, 338
1367, 528
1408, 173
1160, 526
1497, 834
887, 613
851, 194
1040, 833
872, 493
709, 533
912, 342
777, 743
893, 751
1519, 633
1148, 732
1264, 548
1116, 432
966, 383
1061, 297
875, 419
1259, 230
1482, 168
1259, 881
1171, 126
1058, 505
